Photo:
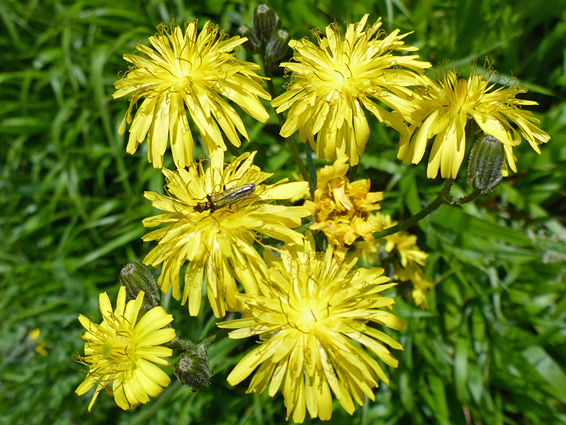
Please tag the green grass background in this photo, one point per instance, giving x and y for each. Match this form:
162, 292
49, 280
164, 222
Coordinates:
490, 350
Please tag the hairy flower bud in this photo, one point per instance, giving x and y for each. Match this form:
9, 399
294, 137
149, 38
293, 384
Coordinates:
485, 164
277, 46
192, 368
266, 22
136, 277
253, 44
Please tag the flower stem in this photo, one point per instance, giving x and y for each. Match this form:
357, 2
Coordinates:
352, 172
465, 199
442, 198
183, 345
312, 170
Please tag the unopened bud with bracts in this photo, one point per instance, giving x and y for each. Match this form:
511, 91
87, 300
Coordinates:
485, 164
135, 277
192, 368
252, 44
277, 46
266, 23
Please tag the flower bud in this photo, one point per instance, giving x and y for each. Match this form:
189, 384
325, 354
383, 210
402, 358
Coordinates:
192, 368
277, 46
252, 45
485, 164
135, 277
266, 22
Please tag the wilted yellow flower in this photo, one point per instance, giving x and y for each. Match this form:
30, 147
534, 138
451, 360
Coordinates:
401, 253
334, 82
215, 232
314, 316
342, 209
188, 72
402, 244
420, 287
122, 351
446, 107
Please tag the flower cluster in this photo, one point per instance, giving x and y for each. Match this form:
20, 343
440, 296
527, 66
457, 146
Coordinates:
223, 230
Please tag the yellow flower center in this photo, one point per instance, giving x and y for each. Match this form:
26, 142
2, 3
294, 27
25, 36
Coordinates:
342, 80
117, 350
182, 82
310, 315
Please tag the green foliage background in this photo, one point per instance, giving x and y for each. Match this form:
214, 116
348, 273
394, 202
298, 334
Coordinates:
490, 350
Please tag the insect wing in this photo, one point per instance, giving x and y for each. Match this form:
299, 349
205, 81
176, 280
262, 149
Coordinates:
231, 196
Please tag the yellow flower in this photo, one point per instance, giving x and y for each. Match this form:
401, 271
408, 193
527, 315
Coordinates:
36, 339
342, 209
402, 244
446, 107
334, 82
121, 351
420, 286
188, 72
314, 316
401, 253
218, 240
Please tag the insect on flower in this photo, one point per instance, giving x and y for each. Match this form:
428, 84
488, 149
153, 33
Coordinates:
226, 198
218, 246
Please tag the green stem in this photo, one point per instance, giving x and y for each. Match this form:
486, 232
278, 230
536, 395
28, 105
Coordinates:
466, 199
233, 149
352, 172
293, 149
297, 158
217, 335
312, 170
443, 198
183, 345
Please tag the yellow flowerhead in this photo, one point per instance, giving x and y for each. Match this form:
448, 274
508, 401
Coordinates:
446, 107
420, 286
342, 209
314, 317
188, 72
400, 253
122, 351
334, 81
402, 245
36, 340
218, 241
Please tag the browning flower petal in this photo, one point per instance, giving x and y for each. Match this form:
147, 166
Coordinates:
342, 209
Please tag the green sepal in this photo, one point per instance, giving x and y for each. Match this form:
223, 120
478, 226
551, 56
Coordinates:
485, 164
136, 277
